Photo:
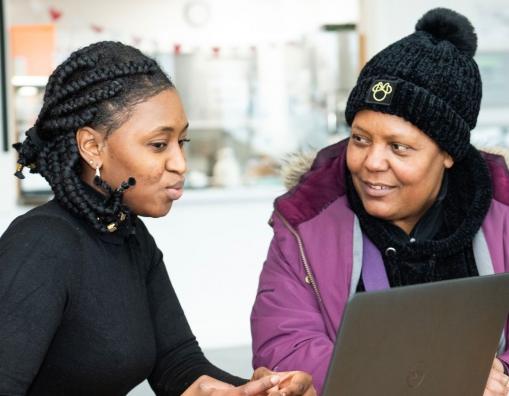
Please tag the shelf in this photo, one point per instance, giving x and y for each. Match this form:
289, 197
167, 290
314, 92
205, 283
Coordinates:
29, 81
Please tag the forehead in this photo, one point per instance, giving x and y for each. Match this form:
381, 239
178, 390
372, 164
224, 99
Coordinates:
161, 110
385, 125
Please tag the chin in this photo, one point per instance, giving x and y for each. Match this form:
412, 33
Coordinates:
379, 211
154, 212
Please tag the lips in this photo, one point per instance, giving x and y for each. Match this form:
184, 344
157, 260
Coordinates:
376, 190
177, 186
175, 191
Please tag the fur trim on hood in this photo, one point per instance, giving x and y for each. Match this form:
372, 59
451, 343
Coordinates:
294, 166
297, 164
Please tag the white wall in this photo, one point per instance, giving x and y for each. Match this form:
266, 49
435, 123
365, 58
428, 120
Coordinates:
7, 183
385, 21
163, 22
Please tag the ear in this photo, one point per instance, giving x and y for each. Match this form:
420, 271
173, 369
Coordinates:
90, 144
448, 161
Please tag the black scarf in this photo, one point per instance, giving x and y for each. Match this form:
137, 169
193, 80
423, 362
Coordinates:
440, 245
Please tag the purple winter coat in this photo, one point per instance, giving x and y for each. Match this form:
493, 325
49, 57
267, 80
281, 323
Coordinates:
315, 260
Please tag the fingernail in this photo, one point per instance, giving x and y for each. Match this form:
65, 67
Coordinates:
274, 379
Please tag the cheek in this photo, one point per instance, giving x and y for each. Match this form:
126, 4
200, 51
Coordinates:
147, 194
408, 175
147, 198
150, 175
149, 178
353, 159
144, 169
122, 164
418, 181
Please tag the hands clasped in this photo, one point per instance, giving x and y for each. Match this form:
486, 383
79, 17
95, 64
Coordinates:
263, 382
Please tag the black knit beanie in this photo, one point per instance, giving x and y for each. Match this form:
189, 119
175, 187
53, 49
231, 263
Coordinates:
428, 78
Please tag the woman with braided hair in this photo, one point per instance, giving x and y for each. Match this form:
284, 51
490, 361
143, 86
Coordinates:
87, 307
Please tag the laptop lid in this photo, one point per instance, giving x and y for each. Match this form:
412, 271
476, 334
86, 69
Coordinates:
433, 339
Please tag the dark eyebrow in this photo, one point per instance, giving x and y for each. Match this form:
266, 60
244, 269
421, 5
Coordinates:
360, 128
390, 136
170, 129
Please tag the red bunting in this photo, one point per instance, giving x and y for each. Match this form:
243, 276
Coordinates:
96, 28
54, 14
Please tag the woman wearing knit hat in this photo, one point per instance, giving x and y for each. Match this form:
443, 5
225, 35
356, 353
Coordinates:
406, 189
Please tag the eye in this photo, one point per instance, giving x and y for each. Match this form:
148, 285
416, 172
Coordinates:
359, 139
183, 141
400, 148
159, 146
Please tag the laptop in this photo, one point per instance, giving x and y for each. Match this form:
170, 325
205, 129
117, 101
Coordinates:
431, 340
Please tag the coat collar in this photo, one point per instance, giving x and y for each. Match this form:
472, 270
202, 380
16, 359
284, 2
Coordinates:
318, 187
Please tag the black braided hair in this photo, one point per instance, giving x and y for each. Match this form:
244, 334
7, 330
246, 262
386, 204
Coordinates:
96, 86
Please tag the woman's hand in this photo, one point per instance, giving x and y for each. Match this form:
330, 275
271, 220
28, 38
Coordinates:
263, 382
498, 382
208, 386
292, 383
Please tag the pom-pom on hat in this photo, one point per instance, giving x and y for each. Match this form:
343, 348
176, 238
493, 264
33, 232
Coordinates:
428, 78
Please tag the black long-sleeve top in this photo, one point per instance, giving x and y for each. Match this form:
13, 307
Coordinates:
84, 313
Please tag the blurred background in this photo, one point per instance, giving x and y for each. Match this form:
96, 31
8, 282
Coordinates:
259, 79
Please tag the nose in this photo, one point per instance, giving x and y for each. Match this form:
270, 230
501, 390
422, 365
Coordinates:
376, 159
176, 161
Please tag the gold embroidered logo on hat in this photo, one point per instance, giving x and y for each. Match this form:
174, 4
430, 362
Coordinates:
381, 92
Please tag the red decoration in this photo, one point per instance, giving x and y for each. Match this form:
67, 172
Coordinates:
54, 14
96, 28
177, 49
